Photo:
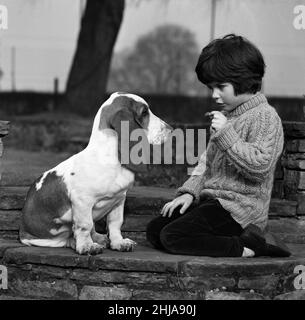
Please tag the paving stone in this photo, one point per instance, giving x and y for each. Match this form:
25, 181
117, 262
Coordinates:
104, 293
139, 199
150, 280
142, 205
263, 284
8, 297
148, 260
138, 237
9, 235
149, 192
12, 198
147, 200
59, 289
143, 259
45, 272
234, 296
7, 244
292, 238
206, 283
166, 295
282, 207
62, 257
293, 295
158, 274
133, 222
288, 229
10, 219
205, 266
132, 279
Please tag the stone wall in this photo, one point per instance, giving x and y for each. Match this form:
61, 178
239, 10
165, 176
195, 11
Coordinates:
290, 175
145, 274
46, 273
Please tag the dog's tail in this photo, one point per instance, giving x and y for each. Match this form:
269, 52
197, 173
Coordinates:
61, 240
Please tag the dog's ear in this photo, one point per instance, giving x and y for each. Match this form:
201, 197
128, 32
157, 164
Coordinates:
124, 130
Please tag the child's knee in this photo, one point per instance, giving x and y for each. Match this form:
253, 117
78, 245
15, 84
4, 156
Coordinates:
169, 239
152, 227
153, 230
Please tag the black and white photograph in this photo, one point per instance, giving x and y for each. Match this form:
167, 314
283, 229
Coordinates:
152, 153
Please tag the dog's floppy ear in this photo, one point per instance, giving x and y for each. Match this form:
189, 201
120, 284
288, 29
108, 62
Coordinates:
124, 130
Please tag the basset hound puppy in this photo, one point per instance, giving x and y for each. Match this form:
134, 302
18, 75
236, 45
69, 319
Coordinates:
63, 204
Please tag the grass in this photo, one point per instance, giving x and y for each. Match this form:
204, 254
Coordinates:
21, 168
38, 142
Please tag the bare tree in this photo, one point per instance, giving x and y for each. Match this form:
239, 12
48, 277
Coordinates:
162, 61
88, 76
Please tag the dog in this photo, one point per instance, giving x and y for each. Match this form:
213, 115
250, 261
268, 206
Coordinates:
62, 205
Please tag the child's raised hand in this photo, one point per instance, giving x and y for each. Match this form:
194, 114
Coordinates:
218, 121
185, 200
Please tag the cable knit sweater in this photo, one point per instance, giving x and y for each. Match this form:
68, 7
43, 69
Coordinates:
237, 167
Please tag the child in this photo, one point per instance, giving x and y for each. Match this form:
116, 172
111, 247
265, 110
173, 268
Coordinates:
222, 209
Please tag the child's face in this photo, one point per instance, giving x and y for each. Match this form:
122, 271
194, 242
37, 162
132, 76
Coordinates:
223, 94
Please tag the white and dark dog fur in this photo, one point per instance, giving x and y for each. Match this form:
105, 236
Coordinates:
63, 204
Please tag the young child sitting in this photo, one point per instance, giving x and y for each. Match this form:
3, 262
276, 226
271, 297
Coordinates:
222, 209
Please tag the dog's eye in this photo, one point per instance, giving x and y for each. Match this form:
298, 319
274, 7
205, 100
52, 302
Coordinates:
145, 112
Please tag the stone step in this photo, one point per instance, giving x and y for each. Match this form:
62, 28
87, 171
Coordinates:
142, 205
139, 200
282, 208
146, 273
289, 230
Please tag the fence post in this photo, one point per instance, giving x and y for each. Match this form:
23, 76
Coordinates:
4, 130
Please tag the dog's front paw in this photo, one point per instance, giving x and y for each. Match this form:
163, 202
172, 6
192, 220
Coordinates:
92, 248
123, 245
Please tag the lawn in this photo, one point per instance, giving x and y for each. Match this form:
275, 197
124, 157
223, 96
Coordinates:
20, 167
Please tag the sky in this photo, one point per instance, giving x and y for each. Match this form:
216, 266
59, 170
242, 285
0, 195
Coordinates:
44, 34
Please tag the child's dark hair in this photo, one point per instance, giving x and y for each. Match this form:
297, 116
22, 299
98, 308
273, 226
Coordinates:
232, 59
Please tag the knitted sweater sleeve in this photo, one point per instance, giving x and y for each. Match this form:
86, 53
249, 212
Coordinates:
256, 157
194, 184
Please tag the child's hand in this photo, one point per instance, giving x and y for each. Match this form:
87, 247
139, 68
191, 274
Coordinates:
185, 200
219, 120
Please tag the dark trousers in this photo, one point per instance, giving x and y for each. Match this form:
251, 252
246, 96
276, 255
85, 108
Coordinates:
203, 230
